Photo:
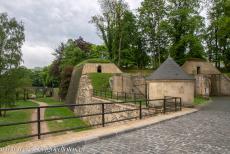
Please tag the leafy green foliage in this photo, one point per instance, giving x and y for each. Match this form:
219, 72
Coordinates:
119, 30
11, 40
152, 14
185, 29
65, 81
218, 33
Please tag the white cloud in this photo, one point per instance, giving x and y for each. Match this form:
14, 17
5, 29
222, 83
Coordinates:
49, 22
34, 56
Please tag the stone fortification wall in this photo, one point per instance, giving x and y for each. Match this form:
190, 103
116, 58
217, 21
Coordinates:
207, 68
225, 85
105, 68
129, 84
85, 96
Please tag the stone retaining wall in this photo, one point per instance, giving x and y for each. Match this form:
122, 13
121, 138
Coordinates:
85, 96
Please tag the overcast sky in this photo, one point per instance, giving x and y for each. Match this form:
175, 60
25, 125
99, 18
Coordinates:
49, 22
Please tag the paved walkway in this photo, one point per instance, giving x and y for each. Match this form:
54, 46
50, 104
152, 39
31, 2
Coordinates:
207, 131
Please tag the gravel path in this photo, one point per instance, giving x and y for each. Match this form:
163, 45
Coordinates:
207, 131
44, 126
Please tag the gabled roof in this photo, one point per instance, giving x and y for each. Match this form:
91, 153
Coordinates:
169, 70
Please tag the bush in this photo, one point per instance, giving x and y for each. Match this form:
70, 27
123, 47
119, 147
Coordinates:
65, 81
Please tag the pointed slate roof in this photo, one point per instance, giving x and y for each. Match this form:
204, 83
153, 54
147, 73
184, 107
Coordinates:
169, 70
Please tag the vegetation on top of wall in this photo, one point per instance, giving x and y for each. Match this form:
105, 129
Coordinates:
200, 100
144, 72
93, 60
100, 80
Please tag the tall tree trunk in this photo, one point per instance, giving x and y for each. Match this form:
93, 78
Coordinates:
119, 50
216, 48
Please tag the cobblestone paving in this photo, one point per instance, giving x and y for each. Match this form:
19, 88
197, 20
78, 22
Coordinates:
207, 131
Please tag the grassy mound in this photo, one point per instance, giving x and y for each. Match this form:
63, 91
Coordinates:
100, 80
94, 60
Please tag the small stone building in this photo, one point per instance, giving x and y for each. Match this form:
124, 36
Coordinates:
209, 80
170, 80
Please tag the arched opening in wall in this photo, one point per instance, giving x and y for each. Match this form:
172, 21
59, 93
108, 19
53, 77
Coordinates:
99, 69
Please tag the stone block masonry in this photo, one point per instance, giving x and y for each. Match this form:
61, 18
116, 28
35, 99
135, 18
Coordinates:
85, 96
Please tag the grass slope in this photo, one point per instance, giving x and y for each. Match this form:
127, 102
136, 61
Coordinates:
100, 81
60, 112
16, 116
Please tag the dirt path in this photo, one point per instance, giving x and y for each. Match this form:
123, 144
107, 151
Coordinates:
44, 126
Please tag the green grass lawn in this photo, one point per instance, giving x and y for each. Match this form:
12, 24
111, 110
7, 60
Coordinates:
200, 100
100, 81
16, 116
61, 112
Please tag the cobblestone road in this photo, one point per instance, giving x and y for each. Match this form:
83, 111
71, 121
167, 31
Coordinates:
207, 131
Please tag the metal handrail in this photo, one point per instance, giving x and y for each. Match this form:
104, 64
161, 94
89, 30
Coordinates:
103, 113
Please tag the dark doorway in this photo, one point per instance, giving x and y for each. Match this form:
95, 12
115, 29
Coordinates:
99, 69
198, 70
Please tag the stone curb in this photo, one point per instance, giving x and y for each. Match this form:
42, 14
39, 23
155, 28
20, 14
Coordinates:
113, 134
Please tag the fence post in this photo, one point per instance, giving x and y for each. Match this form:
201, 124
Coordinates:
39, 122
140, 110
135, 97
164, 107
103, 114
175, 101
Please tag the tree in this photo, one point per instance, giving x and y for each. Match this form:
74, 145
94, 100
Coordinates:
185, 29
99, 51
72, 55
109, 25
218, 32
55, 68
11, 40
133, 52
152, 14
65, 81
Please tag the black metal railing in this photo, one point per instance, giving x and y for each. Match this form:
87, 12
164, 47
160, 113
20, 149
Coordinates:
168, 104
123, 96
